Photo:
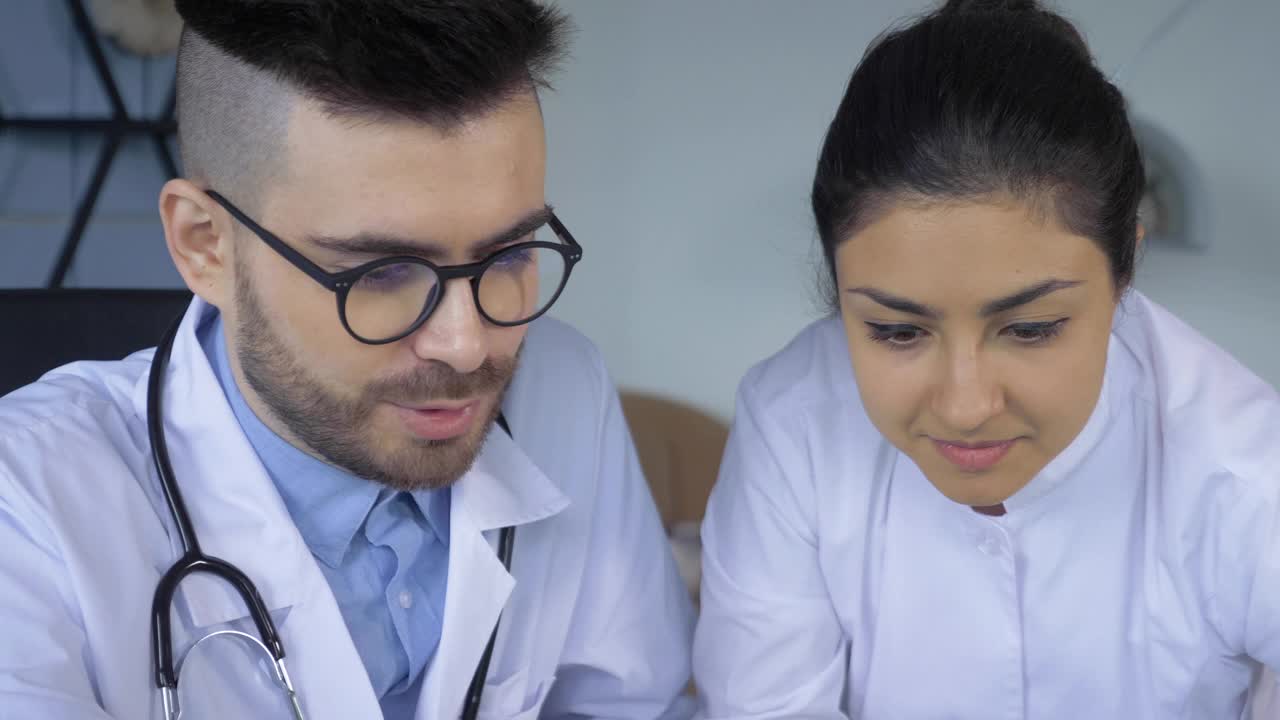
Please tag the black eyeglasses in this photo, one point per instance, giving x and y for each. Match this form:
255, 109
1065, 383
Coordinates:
388, 299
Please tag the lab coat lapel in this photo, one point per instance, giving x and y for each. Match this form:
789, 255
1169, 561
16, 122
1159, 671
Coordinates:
327, 671
235, 510
238, 516
504, 488
478, 589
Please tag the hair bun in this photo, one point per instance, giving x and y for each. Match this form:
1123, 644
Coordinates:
990, 6
1018, 11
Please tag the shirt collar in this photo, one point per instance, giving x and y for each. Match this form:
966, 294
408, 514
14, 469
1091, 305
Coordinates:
328, 504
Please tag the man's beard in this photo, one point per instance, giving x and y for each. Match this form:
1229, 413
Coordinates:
340, 430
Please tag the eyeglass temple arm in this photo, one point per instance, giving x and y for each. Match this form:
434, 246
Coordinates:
315, 272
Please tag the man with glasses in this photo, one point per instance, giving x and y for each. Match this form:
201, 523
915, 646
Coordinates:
363, 395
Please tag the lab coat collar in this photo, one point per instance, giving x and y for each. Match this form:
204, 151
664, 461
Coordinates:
236, 512
504, 487
1064, 466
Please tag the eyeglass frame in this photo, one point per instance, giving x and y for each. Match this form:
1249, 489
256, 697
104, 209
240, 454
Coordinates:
340, 283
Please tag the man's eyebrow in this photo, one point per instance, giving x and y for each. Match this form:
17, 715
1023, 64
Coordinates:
392, 245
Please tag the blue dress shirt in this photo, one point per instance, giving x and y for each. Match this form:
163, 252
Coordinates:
385, 553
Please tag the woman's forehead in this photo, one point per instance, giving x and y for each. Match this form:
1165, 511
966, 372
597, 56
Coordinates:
978, 233
975, 251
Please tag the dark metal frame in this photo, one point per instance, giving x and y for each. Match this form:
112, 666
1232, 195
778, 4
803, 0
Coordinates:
116, 128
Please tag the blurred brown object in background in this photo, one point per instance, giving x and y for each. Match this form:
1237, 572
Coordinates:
679, 448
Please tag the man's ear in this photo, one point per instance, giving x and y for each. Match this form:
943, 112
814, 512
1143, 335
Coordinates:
199, 236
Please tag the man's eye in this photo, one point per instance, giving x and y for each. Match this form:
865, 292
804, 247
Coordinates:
390, 277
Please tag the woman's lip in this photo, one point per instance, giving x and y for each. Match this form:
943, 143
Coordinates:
973, 457
973, 446
437, 422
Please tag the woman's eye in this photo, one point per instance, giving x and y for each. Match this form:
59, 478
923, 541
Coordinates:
1035, 333
897, 337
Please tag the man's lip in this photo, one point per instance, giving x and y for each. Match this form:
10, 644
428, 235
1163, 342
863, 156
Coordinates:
438, 423
436, 405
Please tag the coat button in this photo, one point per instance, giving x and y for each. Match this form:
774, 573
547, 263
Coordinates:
990, 545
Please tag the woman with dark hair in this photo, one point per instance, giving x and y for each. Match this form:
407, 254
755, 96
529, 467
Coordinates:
998, 482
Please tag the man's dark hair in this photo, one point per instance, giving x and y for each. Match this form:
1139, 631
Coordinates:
242, 63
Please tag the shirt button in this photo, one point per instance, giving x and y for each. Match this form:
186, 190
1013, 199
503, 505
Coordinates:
990, 545
406, 599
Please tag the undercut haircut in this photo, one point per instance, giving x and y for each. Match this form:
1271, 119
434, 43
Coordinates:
242, 64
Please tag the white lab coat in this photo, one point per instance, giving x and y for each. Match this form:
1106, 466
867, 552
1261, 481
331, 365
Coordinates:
595, 621
1137, 576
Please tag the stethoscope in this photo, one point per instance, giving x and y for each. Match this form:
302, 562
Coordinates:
193, 560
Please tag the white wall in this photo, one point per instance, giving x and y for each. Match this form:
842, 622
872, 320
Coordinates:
683, 138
